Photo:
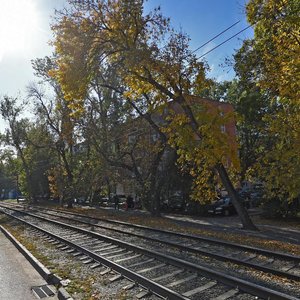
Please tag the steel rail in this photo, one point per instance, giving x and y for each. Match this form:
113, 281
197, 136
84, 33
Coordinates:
193, 250
148, 284
229, 280
190, 236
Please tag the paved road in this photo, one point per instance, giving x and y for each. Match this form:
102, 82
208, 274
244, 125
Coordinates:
17, 276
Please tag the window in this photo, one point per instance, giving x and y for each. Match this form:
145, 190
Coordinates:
223, 128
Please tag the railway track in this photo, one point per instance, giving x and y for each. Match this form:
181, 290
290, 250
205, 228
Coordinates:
174, 277
280, 264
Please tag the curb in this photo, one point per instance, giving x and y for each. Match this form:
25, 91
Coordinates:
39, 267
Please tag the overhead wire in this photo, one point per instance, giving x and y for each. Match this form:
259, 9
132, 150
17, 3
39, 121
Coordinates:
224, 42
120, 137
213, 38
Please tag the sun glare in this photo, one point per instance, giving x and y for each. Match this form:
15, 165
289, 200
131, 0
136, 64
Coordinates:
18, 25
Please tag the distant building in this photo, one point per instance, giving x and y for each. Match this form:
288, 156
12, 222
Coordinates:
140, 127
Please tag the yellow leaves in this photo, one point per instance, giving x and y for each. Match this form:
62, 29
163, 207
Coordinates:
280, 166
277, 38
119, 35
201, 154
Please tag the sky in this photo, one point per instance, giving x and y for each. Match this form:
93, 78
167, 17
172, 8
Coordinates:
25, 34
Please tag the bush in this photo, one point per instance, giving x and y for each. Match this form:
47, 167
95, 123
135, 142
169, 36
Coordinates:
279, 208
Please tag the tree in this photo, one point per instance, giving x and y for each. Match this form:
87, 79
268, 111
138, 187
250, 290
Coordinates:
9, 170
122, 134
149, 57
16, 136
70, 166
251, 105
277, 42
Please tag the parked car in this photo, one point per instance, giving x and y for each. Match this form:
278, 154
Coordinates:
257, 194
106, 201
82, 201
223, 207
109, 202
174, 202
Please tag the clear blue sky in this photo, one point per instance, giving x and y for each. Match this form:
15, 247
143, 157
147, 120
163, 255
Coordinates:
25, 32
202, 20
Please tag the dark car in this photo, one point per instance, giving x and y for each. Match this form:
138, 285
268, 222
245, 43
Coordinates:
174, 203
82, 201
223, 207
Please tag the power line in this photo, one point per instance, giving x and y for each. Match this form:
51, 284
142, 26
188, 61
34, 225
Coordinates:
215, 36
224, 42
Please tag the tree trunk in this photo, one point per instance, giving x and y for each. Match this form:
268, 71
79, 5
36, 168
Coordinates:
155, 201
240, 209
70, 203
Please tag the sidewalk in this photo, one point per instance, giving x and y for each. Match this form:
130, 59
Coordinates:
233, 224
17, 276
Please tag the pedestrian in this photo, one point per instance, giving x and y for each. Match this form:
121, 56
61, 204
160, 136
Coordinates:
117, 202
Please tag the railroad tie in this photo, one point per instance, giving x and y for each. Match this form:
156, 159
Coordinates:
88, 261
141, 262
287, 268
71, 250
151, 268
200, 289
84, 257
115, 278
129, 286
251, 256
65, 248
118, 254
227, 294
180, 281
55, 243
106, 248
267, 261
143, 294
107, 270
95, 265
128, 258
168, 275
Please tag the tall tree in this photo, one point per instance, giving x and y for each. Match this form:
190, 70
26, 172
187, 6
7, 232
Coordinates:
9, 170
125, 137
16, 136
56, 117
251, 105
149, 57
277, 44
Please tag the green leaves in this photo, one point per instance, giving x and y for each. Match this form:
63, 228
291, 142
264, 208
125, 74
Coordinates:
276, 48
